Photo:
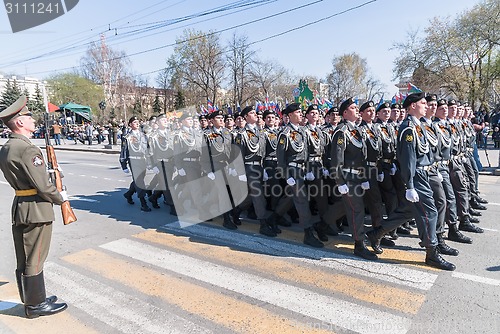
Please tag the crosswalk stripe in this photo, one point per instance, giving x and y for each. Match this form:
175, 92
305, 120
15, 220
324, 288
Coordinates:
391, 297
398, 274
114, 308
326, 309
390, 254
227, 311
13, 319
475, 278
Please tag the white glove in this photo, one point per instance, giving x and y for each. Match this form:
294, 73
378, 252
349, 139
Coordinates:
211, 176
265, 177
380, 177
393, 169
365, 185
126, 171
326, 173
232, 172
309, 176
155, 170
181, 172
242, 178
291, 181
343, 189
411, 195
440, 176
64, 195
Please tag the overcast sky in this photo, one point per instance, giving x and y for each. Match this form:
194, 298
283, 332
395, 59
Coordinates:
369, 30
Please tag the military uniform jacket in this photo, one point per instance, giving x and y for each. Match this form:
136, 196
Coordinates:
188, 145
271, 136
252, 143
388, 138
24, 168
217, 150
443, 131
134, 152
348, 150
456, 137
161, 145
469, 134
433, 139
292, 148
317, 140
412, 149
373, 142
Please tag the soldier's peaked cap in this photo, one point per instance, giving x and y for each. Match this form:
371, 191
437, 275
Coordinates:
311, 108
366, 105
133, 118
291, 108
246, 110
212, 115
412, 98
384, 105
18, 108
345, 105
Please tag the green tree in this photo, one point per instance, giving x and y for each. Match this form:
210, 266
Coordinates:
137, 110
70, 87
157, 105
10, 94
180, 101
455, 57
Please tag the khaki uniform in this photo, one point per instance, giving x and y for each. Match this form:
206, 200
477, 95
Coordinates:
23, 166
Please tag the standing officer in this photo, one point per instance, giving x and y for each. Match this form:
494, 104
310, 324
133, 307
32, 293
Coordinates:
24, 168
348, 154
415, 159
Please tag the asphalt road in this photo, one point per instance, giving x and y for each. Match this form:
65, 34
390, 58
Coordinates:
125, 271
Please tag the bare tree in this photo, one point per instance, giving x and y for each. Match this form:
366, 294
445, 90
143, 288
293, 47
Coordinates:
347, 77
239, 58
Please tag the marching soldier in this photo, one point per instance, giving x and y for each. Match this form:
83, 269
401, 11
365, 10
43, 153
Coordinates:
188, 144
292, 154
415, 159
161, 146
215, 160
444, 131
348, 154
436, 147
25, 170
458, 175
134, 158
252, 143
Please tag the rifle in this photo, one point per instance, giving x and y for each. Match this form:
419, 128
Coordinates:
55, 173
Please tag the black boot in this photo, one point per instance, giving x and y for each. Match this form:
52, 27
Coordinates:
466, 225
476, 205
444, 248
51, 299
403, 230
265, 229
272, 221
394, 235
310, 239
236, 215
320, 230
154, 200
375, 236
482, 200
361, 251
476, 213
385, 241
128, 196
35, 302
434, 259
144, 205
228, 223
474, 220
455, 235
328, 229
280, 220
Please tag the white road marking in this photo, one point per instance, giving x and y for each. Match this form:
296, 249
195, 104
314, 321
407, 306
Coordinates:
117, 309
478, 279
489, 229
340, 262
78, 198
351, 316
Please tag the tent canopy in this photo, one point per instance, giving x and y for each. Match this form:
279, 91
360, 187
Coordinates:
83, 111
